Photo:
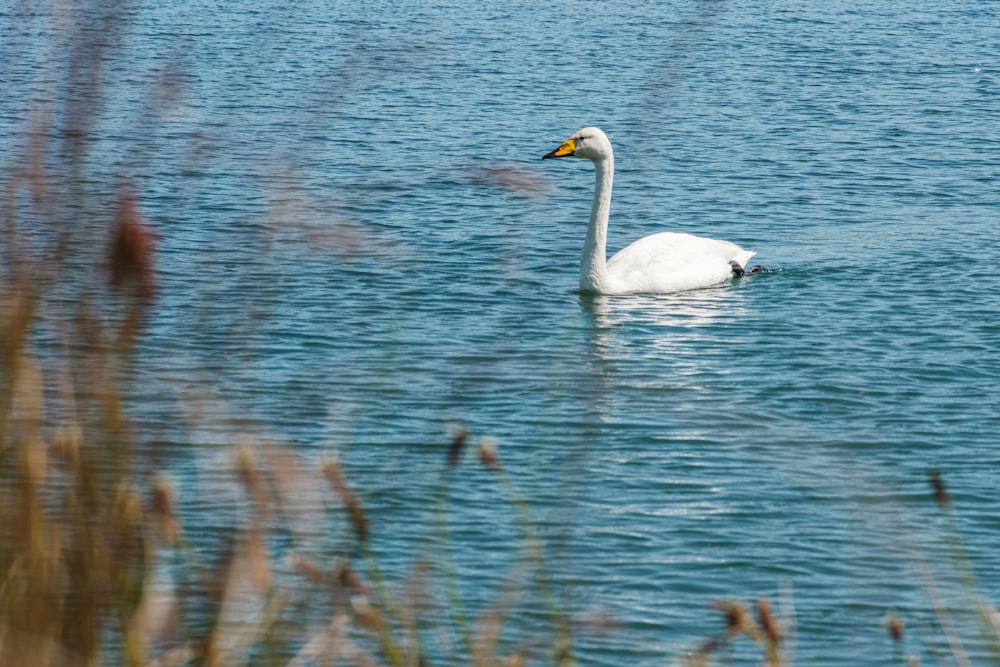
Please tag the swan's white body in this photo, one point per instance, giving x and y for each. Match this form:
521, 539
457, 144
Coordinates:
660, 263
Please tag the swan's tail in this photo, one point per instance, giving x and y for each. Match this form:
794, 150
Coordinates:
739, 271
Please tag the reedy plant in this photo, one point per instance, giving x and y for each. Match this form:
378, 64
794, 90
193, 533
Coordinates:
99, 566
98, 563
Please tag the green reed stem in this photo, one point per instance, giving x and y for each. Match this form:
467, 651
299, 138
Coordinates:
459, 616
563, 649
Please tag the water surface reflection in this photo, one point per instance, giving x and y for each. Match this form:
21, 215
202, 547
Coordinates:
695, 308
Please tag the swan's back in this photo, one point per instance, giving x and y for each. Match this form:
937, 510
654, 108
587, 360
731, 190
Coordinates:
673, 262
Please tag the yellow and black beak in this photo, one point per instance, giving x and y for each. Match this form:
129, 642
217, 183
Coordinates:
567, 149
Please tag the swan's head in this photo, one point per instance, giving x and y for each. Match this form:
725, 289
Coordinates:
590, 143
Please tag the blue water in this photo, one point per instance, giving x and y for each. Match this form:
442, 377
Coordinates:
361, 251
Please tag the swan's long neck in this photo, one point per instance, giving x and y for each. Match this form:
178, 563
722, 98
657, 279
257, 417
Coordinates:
594, 263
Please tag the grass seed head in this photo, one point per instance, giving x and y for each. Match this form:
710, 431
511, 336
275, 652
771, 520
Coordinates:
457, 447
896, 627
335, 475
355, 511
164, 509
367, 614
308, 568
133, 249
768, 622
941, 495
352, 581
359, 518
738, 618
246, 468
488, 453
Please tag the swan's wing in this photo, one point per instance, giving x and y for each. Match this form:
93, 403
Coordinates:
673, 262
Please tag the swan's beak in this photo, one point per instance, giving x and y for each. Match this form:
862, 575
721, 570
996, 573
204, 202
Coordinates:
568, 148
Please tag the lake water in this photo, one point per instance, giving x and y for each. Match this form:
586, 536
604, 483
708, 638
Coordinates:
361, 250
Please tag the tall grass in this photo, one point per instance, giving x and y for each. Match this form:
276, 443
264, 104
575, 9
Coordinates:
97, 564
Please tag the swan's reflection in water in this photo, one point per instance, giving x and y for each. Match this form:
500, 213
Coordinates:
680, 309
645, 347
664, 320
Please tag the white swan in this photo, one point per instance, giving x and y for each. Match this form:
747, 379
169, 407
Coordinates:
660, 263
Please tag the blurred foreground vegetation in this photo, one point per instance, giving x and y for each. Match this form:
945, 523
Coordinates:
97, 566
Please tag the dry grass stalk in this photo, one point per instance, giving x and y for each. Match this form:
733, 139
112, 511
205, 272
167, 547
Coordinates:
355, 511
488, 454
457, 447
941, 495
